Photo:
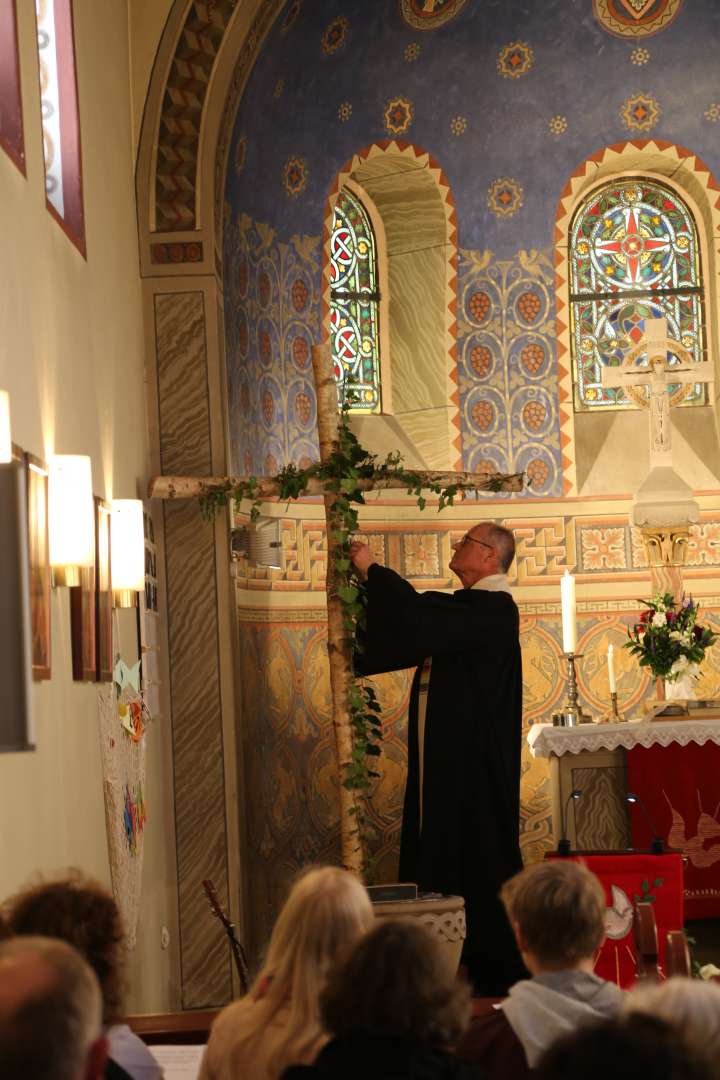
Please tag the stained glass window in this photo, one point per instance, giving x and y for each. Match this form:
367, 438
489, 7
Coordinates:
354, 303
633, 256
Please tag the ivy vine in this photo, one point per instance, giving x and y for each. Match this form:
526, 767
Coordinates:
340, 474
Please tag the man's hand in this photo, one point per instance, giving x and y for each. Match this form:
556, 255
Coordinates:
362, 557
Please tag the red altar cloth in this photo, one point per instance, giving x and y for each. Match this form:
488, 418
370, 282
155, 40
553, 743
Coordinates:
628, 877
680, 786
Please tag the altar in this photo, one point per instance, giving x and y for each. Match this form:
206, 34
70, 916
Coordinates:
673, 766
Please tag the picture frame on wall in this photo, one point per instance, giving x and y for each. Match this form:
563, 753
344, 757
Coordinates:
16, 717
83, 622
39, 563
104, 635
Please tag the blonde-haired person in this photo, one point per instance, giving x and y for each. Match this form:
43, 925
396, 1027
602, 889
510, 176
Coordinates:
278, 1023
557, 911
691, 1007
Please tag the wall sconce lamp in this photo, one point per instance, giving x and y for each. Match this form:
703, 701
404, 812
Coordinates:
127, 551
71, 517
5, 435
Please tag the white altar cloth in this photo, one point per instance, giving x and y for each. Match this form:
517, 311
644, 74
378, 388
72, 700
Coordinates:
544, 739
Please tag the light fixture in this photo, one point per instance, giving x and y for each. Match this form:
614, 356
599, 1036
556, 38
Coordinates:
127, 551
5, 436
71, 517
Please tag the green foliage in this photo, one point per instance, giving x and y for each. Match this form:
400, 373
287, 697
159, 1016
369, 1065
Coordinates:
340, 473
667, 639
646, 896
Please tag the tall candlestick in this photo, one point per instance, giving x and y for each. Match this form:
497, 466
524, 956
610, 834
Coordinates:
567, 597
611, 669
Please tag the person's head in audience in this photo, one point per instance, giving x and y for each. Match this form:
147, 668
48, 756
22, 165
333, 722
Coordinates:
83, 913
625, 1048
397, 983
326, 912
50, 1013
557, 911
691, 1006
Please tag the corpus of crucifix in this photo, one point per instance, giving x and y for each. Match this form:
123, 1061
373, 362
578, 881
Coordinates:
385, 372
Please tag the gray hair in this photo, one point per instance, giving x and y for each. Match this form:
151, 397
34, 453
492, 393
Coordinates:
503, 541
47, 1033
690, 1006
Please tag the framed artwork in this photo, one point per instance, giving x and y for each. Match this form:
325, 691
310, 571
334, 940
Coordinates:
151, 584
16, 727
39, 560
104, 633
83, 622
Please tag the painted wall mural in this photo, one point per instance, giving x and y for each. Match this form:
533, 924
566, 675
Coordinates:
505, 345
510, 106
522, 102
271, 318
291, 779
291, 794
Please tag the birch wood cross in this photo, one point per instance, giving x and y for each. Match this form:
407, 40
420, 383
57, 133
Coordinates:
339, 643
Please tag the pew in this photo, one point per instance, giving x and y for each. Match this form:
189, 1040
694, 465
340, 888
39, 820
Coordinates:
188, 1028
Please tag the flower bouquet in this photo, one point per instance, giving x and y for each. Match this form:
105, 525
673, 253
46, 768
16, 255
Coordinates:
669, 641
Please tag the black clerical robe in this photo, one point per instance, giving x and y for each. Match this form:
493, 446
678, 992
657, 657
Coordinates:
468, 840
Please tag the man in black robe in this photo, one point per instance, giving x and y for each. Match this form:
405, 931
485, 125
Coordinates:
460, 831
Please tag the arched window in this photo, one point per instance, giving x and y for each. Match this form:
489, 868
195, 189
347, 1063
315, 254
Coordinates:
354, 303
633, 256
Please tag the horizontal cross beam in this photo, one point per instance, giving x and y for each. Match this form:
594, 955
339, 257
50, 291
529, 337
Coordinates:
193, 487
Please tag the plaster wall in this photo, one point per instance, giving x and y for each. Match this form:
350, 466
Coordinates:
72, 359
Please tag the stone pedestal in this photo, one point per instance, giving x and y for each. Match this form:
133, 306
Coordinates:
444, 916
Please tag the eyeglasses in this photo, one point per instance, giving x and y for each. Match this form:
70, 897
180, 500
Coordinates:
468, 538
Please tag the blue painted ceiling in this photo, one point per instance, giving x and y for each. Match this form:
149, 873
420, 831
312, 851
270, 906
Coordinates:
579, 72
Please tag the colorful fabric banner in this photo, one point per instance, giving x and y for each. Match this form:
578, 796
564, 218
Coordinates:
629, 878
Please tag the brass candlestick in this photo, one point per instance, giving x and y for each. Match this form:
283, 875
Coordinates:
572, 713
613, 716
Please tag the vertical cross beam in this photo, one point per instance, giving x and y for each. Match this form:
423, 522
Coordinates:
338, 643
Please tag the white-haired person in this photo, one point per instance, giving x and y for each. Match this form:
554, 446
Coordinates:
278, 1023
691, 1007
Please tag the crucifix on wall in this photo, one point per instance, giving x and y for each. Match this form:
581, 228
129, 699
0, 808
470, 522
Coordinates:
665, 382
664, 506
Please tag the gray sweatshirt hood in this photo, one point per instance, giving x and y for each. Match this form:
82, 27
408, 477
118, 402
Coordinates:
541, 1009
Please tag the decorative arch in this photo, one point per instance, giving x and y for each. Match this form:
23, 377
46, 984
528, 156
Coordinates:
202, 62
419, 174
680, 169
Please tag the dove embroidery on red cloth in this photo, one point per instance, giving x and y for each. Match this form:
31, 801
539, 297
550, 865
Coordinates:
708, 827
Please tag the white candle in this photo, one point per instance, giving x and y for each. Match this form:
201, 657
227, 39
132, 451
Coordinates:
567, 597
611, 669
